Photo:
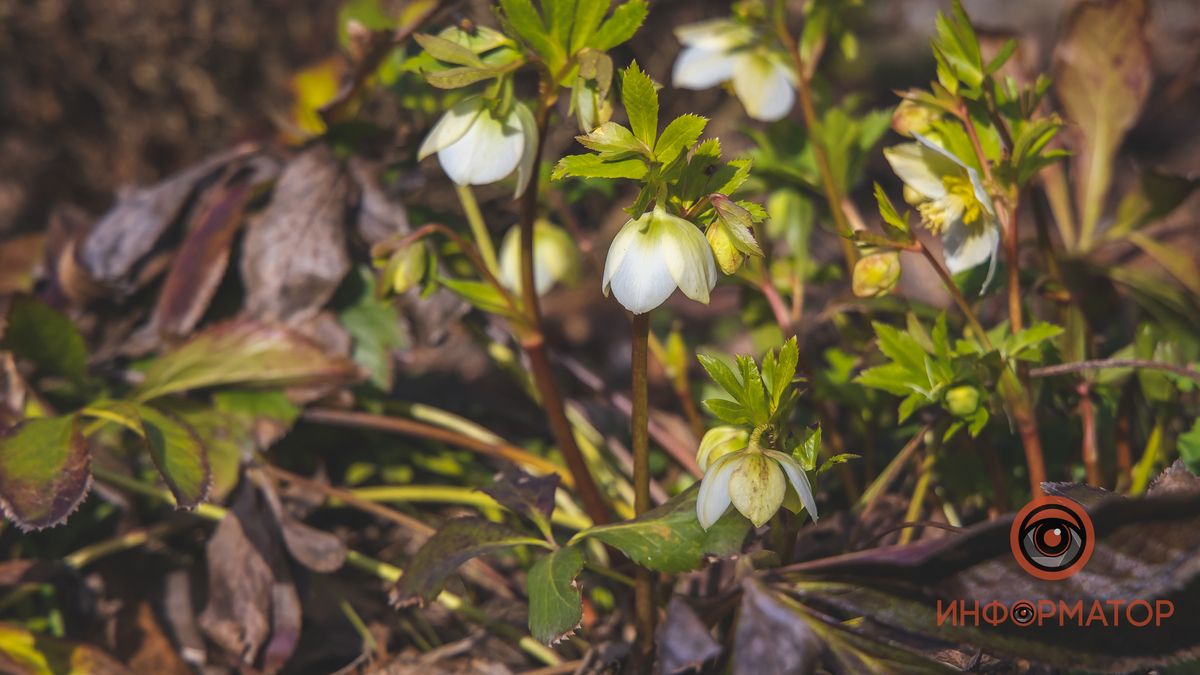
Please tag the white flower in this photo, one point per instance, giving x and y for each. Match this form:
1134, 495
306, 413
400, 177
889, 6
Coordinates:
723, 50
756, 481
952, 202
555, 257
475, 147
655, 254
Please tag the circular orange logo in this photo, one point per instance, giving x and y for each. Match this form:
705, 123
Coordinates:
1052, 538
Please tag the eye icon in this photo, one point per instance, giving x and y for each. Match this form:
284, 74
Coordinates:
1052, 538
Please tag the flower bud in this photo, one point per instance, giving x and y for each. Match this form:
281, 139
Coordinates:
555, 257
876, 275
718, 442
406, 268
963, 400
912, 197
728, 258
911, 117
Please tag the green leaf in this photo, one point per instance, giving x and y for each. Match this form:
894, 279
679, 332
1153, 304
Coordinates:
900, 347
624, 22
894, 223
555, 604
893, 378
455, 78
1155, 196
43, 471
680, 134
527, 23
445, 50
593, 166
1031, 337
48, 339
588, 15
1102, 78
783, 372
613, 141
178, 454
560, 14
456, 542
669, 538
730, 412
1189, 447
809, 450
723, 375
242, 352
640, 97
755, 393
1181, 263
729, 178
374, 325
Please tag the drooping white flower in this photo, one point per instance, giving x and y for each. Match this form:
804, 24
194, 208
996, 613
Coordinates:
652, 256
952, 201
754, 480
723, 50
555, 257
476, 147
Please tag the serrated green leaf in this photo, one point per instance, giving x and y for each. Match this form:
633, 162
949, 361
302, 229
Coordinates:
555, 604
669, 538
680, 134
560, 14
456, 542
613, 140
1030, 337
784, 371
624, 22
588, 15
723, 376
892, 219
178, 453
593, 166
892, 378
528, 24
730, 412
911, 403
729, 178
900, 347
481, 295
44, 471
640, 97
455, 78
755, 393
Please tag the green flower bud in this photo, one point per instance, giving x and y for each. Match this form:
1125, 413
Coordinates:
718, 442
911, 117
407, 266
876, 275
963, 400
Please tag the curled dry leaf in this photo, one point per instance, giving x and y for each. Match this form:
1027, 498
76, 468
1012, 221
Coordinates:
684, 642
294, 254
134, 226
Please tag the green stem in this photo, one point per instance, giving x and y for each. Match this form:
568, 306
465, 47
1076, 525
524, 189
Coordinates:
377, 568
483, 238
644, 588
454, 494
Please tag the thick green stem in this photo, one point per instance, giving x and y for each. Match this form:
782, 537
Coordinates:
483, 238
644, 588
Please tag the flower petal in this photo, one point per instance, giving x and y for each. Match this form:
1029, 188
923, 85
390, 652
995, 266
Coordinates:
488, 152
757, 487
701, 68
524, 120
715, 34
688, 255
713, 498
966, 246
763, 86
980, 192
921, 169
452, 126
798, 479
636, 270
718, 442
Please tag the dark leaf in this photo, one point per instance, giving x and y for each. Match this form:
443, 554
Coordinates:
684, 642
1146, 549
202, 259
294, 255
179, 455
44, 471
456, 542
770, 638
524, 494
555, 605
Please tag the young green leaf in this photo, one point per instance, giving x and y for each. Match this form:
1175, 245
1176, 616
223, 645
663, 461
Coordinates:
640, 96
445, 50
555, 604
178, 453
593, 166
621, 26
680, 134
613, 141
588, 16
47, 338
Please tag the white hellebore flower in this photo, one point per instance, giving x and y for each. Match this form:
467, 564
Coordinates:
655, 254
475, 147
555, 257
952, 202
723, 50
755, 480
